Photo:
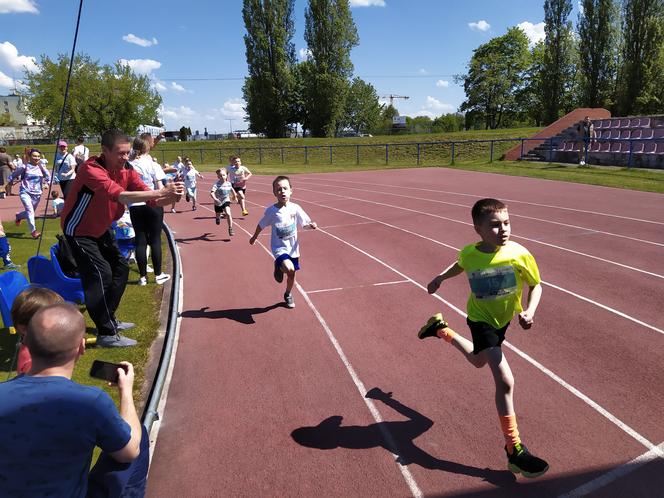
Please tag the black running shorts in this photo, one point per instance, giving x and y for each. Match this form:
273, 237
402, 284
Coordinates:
485, 336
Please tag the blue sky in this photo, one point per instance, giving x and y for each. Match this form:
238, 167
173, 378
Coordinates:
407, 47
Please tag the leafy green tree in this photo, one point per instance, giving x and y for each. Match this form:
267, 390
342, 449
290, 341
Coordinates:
557, 77
495, 75
100, 97
640, 80
530, 96
362, 107
598, 44
270, 57
447, 123
330, 34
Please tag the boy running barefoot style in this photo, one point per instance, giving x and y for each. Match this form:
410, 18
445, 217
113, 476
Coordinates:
284, 216
497, 269
222, 193
239, 175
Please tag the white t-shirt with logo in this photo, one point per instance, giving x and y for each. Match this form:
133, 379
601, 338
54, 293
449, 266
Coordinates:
284, 221
237, 176
149, 171
221, 191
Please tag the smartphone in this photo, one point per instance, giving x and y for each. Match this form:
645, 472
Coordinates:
105, 370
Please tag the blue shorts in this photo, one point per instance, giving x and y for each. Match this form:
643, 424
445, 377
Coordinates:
284, 257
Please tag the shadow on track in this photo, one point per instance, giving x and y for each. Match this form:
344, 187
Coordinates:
330, 434
205, 237
241, 315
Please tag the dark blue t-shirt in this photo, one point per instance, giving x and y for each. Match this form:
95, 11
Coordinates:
49, 427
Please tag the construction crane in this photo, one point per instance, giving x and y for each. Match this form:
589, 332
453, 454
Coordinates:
392, 97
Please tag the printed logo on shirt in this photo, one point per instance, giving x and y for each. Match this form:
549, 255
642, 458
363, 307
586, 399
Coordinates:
493, 283
285, 230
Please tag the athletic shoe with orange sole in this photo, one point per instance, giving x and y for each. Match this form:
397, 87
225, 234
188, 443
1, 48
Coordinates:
521, 461
433, 324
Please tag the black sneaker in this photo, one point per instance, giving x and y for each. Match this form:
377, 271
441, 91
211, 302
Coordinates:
433, 324
288, 299
278, 274
217, 221
522, 462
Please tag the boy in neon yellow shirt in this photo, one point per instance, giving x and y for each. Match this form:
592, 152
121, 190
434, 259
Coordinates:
497, 269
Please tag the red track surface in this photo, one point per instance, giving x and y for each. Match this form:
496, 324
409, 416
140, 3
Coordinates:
249, 372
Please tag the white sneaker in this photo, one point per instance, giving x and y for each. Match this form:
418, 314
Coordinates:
149, 269
582, 163
161, 278
173, 210
143, 281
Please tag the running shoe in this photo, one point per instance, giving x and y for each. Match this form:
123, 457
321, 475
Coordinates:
230, 231
433, 324
278, 274
173, 210
217, 221
11, 266
521, 461
245, 212
186, 197
143, 281
124, 325
288, 299
35, 234
149, 269
161, 278
114, 341
17, 220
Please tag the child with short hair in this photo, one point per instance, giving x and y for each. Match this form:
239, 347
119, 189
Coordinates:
239, 175
58, 203
284, 216
5, 250
222, 193
190, 175
28, 302
496, 268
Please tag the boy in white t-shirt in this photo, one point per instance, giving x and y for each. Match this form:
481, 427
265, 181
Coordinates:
284, 216
222, 193
239, 175
57, 202
190, 175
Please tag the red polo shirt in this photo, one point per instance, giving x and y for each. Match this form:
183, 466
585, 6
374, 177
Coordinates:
92, 202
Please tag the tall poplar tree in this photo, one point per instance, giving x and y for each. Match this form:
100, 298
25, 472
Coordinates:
330, 34
557, 68
640, 80
598, 45
270, 57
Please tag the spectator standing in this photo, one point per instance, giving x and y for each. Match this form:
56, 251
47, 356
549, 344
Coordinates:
32, 174
16, 162
81, 152
55, 423
65, 167
5, 171
99, 193
586, 133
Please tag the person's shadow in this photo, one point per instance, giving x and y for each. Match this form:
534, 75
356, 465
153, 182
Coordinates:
205, 237
242, 315
396, 437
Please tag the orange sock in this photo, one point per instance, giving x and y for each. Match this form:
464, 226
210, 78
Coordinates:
510, 431
446, 333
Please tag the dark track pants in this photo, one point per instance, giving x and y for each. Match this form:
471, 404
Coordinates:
104, 274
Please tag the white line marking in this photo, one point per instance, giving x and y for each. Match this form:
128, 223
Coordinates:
505, 199
317, 291
616, 473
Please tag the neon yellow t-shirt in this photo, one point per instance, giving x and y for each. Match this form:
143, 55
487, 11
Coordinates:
496, 281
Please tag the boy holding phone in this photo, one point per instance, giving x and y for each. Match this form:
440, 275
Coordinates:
66, 420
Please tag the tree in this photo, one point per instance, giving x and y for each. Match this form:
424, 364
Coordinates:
330, 34
185, 132
270, 57
362, 107
639, 85
447, 123
100, 97
530, 96
495, 75
557, 71
598, 43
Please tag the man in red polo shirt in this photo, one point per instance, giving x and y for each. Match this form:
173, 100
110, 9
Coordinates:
102, 187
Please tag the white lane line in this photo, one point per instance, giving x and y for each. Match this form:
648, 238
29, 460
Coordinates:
544, 282
616, 473
400, 187
549, 373
389, 439
512, 214
379, 284
535, 241
349, 224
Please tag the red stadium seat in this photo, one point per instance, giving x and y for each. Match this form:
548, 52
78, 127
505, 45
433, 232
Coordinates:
606, 123
645, 123
649, 147
658, 133
637, 147
647, 133
624, 123
660, 148
615, 133
624, 134
615, 123
636, 134
606, 134
615, 146
605, 147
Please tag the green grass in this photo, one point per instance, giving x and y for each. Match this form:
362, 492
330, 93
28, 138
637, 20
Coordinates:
139, 305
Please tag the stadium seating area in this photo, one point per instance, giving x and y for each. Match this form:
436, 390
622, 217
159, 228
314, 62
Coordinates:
633, 141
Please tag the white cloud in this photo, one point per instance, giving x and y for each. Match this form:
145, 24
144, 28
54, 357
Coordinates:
304, 54
436, 105
479, 25
181, 112
233, 108
367, 3
143, 42
442, 84
159, 86
18, 7
6, 81
141, 66
177, 87
9, 58
534, 32
423, 72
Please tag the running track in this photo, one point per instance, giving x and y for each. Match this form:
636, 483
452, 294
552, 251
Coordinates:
266, 401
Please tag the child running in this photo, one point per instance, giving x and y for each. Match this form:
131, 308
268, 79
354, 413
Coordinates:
57, 202
222, 193
239, 175
496, 269
284, 216
190, 175
5, 250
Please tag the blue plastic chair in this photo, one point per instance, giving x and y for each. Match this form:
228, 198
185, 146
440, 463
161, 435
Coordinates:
11, 284
47, 273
